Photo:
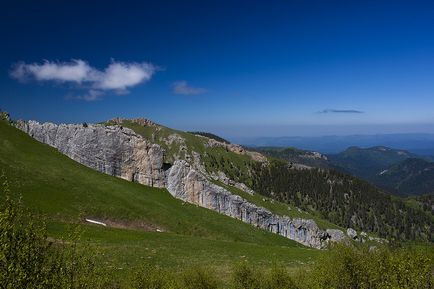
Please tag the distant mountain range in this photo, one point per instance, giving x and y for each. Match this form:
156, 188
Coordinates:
421, 144
397, 171
368, 163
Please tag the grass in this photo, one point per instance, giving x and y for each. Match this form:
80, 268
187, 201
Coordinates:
66, 192
121, 250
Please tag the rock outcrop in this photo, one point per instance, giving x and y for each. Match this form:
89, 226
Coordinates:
120, 152
113, 150
140, 121
352, 233
221, 176
236, 149
337, 235
187, 184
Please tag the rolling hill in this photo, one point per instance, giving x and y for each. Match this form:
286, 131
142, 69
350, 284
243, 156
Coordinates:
397, 171
367, 163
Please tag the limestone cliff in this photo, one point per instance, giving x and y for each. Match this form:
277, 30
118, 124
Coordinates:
113, 150
191, 186
120, 152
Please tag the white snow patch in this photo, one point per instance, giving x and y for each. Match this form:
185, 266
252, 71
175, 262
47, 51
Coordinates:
96, 222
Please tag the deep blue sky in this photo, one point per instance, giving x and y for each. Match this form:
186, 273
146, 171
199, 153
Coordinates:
276, 68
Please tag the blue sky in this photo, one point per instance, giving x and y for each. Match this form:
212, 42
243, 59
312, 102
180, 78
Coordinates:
237, 68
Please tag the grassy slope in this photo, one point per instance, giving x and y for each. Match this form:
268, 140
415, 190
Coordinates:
66, 191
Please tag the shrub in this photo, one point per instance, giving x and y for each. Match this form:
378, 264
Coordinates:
29, 260
246, 276
360, 267
24, 253
278, 278
196, 278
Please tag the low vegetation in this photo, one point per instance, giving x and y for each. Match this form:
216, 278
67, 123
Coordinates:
28, 259
371, 267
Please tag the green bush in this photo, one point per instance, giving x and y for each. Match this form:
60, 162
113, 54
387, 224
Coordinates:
196, 278
25, 256
151, 277
29, 260
364, 267
278, 278
246, 276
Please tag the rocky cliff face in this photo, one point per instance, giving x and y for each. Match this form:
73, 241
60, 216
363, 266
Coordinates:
121, 152
187, 184
112, 150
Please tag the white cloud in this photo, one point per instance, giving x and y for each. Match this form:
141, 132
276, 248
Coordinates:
74, 71
117, 77
120, 75
182, 87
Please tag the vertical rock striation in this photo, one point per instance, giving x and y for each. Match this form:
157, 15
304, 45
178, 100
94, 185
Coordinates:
187, 184
113, 150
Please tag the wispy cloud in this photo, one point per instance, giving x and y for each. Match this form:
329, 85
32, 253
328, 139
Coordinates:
340, 111
117, 77
182, 87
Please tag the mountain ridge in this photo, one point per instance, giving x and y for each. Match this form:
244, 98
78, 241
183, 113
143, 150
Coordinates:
119, 151
249, 169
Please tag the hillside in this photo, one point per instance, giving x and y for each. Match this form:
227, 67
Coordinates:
366, 163
324, 194
412, 176
348, 199
205, 172
119, 151
397, 171
146, 222
67, 192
